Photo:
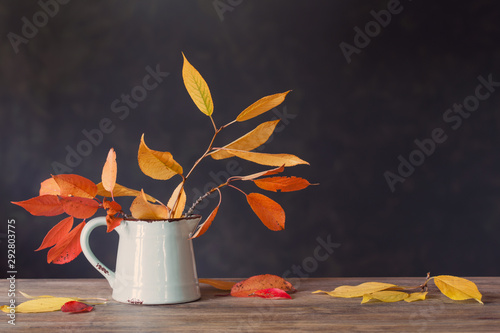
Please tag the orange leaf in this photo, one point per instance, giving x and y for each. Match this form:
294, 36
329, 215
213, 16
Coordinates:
67, 248
179, 204
112, 222
222, 285
263, 173
76, 186
283, 184
268, 211
49, 186
112, 207
43, 205
208, 222
57, 233
271, 293
262, 105
286, 160
258, 282
81, 208
109, 171
142, 209
121, 191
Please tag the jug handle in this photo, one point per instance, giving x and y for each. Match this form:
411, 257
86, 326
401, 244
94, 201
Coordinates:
84, 242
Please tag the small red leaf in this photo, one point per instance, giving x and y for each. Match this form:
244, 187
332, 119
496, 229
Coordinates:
81, 208
57, 233
271, 293
76, 307
43, 205
112, 207
283, 184
76, 186
208, 222
67, 248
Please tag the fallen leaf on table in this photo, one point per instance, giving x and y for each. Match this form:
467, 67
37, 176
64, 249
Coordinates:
386, 296
42, 304
222, 285
457, 288
271, 293
359, 290
418, 296
258, 282
76, 307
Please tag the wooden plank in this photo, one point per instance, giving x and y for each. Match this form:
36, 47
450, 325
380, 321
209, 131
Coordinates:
307, 312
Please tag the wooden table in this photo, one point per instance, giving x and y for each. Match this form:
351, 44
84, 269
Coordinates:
307, 312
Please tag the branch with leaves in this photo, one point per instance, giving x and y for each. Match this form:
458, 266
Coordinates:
77, 196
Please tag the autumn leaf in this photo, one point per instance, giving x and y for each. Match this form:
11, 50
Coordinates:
249, 141
76, 307
268, 211
43, 205
208, 222
282, 184
359, 290
181, 203
156, 164
261, 174
418, 296
81, 208
262, 105
197, 88
286, 160
76, 186
221, 285
121, 191
112, 222
109, 172
57, 233
112, 207
386, 296
258, 282
68, 248
49, 186
142, 209
38, 305
457, 288
271, 293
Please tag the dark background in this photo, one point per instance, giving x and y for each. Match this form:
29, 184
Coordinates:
351, 121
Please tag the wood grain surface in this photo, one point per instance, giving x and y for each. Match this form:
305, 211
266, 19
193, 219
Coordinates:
307, 312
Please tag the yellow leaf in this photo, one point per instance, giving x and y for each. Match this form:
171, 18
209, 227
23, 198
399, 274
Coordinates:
286, 160
156, 164
141, 209
121, 191
359, 290
109, 171
180, 205
420, 296
40, 304
197, 88
222, 285
457, 288
249, 141
386, 296
262, 105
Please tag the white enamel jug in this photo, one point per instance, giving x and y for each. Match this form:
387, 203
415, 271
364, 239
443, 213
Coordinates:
155, 261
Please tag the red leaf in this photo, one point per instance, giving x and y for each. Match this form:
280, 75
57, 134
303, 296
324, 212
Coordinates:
67, 248
112, 207
43, 205
76, 307
208, 222
57, 233
249, 286
112, 222
81, 208
268, 211
76, 186
271, 293
283, 184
